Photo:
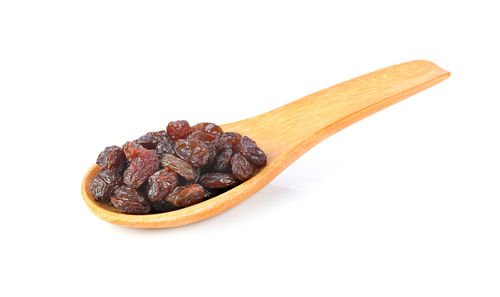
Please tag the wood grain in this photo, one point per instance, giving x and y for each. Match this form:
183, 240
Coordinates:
288, 132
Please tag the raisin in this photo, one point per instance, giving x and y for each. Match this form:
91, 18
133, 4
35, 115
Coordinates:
186, 196
241, 168
143, 166
165, 147
180, 166
211, 130
212, 153
218, 180
160, 184
200, 135
228, 140
195, 152
151, 139
132, 149
249, 149
103, 184
112, 158
178, 129
222, 162
162, 206
129, 200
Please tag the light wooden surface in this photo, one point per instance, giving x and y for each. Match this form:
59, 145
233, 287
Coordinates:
288, 132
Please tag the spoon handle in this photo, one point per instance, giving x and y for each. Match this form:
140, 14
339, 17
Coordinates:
309, 120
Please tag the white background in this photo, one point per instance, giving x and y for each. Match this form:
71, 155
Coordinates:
403, 203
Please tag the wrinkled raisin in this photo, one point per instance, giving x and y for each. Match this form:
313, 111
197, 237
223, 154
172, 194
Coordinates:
241, 168
222, 162
228, 140
151, 139
218, 180
104, 183
165, 147
143, 166
200, 135
249, 149
112, 158
211, 130
178, 129
210, 193
132, 149
186, 196
195, 152
160, 184
180, 166
129, 200
162, 206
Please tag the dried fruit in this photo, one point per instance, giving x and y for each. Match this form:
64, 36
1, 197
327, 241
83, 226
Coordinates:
249, 149
222, 162
186, 196
132, 149
167, 170
141, 167
195, 152
112, 158
129, 200
160, 184
104, 183
218, 180
241, 168
228, 140
180, 166
211, 130
151, 139
178, 129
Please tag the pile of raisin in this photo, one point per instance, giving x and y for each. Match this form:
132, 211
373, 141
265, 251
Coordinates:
168, 170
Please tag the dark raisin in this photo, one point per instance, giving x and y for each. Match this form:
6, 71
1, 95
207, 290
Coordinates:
195, 152
249, 149
132, 149
186, 196
112, 158
241, 168
178, 129
160, 184
211, 130
151, 139
228, 140
165, 147
180, 166
162, 206
210, 193
218, 180
128, 200
141, 167
222, 162
104, 183
212, 153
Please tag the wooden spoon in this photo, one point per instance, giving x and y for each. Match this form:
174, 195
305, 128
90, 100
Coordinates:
288, 132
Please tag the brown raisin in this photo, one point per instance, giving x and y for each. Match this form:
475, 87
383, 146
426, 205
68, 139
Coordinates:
210, 193
162, 206
180, 166
228, 140
211, 130
143, 166
178, 129
218, 180
249, 149
222, 162
151, 139
186, 196
160, 184
112, 158
104, 183
200, 135
241, 168
195, 152
165, 147
132, 149
130, 201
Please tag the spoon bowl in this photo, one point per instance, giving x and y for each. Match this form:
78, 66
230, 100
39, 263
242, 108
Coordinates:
287, 132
